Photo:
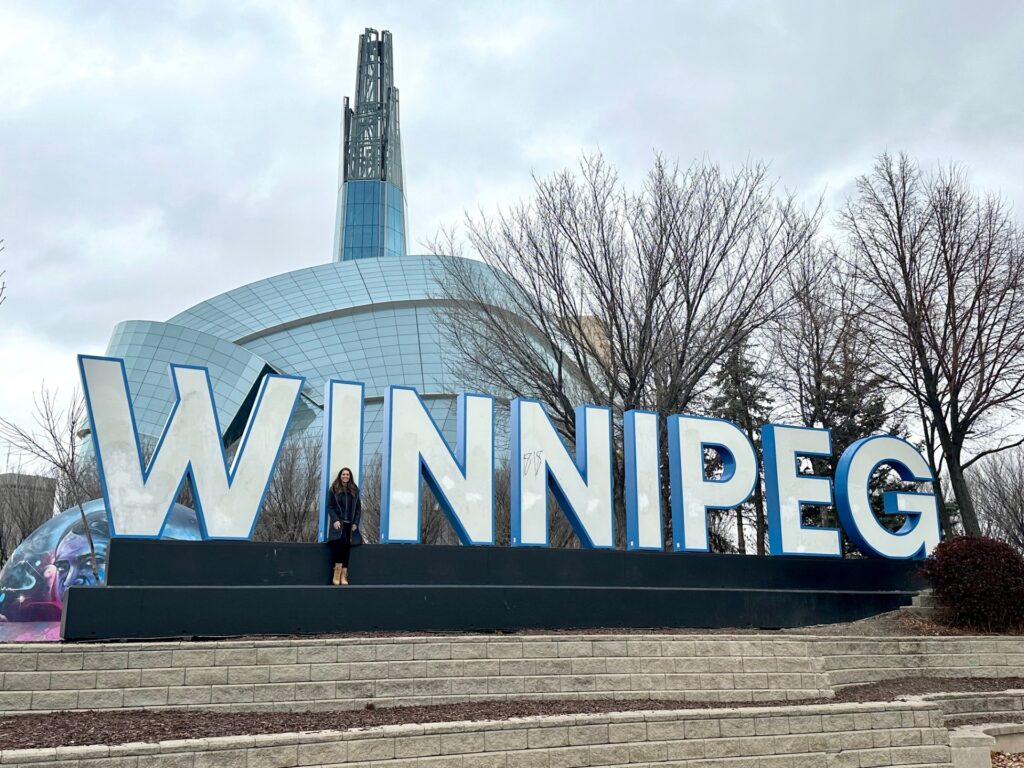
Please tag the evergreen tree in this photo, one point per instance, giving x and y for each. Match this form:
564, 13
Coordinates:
742, 397
850, 401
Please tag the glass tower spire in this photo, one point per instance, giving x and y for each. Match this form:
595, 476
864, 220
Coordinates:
371, 198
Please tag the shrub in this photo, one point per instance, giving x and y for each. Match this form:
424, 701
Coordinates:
979, 583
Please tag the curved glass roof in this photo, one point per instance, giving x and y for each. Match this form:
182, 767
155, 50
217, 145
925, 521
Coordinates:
148, 348
300, 296
374, 320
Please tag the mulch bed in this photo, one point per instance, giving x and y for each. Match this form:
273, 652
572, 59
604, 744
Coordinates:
123, 726
896, 624
1005, 760
889, 690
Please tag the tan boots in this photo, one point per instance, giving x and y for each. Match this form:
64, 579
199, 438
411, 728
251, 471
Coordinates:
340, 575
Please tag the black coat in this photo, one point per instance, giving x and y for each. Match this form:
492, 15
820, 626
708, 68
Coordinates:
344, 508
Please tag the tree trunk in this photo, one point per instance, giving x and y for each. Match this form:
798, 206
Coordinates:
951, 449
92, 546
945, 519
962, 492
741, 540
760, 524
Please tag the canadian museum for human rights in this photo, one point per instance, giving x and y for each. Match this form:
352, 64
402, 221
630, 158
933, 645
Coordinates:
370, 314
352, 354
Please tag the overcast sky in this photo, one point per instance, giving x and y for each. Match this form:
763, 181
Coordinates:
155, 154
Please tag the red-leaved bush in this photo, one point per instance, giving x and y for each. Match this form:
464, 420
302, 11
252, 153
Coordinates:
979, 583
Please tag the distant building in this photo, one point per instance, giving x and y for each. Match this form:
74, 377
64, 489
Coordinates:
26, 502
372, 314
19, 488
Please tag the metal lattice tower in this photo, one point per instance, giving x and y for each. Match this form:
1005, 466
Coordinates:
371, 197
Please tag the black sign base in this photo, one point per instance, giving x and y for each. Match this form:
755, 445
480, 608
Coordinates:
218, 589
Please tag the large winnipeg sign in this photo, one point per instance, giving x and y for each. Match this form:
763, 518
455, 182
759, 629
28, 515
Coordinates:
228, 497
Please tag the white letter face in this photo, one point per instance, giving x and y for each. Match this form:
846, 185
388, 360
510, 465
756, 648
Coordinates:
693, 494
643, 480
583, 487
786, 491
139, 500
415, 447
921, 533
343, 438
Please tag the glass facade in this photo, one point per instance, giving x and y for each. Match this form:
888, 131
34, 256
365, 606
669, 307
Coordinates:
372, 320
147, 349
374, 220
371, 315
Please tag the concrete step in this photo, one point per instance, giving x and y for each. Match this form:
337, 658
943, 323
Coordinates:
924, 606
918, 612
154, 612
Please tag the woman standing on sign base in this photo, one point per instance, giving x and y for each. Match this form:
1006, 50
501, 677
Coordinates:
344, 510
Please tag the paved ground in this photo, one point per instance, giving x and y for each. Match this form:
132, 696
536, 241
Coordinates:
894, 624
29, 631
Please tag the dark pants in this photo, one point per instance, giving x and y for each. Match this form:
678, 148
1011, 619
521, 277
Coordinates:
341, 547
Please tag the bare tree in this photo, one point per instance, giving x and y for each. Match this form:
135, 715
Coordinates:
943, 269
369, 494
821, 336
997, 483
597, 294
291, 508
560, 533
435, 527
820, 360
54, 444
605, 296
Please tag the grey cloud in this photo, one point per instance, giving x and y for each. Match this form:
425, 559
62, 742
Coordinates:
154, 154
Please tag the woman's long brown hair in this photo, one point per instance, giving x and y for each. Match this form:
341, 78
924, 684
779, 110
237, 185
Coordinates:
338, 487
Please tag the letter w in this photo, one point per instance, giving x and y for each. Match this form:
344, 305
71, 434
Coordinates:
138, 497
